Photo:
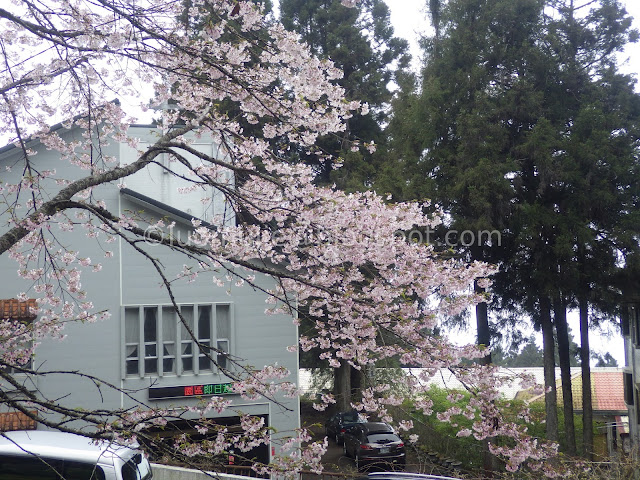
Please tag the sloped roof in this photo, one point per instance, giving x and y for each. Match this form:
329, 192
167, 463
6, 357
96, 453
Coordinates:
607, 392
10, 421
14, 309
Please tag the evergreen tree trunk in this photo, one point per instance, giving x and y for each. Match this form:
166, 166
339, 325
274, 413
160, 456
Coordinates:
342, 387
489, 461
550, 398
587, 407
357, 383
482, 322
562, 332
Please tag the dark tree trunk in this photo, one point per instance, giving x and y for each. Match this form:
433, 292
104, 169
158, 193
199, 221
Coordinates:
489, 462
342, 387
358, 383
482, 323
548, 348
562, 332
585, 353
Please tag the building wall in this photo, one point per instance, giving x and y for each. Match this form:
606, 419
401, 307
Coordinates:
630, 323
128, 279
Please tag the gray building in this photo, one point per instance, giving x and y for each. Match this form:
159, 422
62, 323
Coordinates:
142, 348
630, 325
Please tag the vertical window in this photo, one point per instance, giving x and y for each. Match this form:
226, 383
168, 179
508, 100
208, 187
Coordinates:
223, 334
624, 321
628, 388
150, 340
635, 320
158, 342
169, 324
204, 338
132, 340
186, 342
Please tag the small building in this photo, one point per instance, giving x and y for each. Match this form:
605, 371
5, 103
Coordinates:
609, 409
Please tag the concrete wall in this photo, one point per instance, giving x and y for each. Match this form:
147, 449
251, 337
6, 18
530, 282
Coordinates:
164, 472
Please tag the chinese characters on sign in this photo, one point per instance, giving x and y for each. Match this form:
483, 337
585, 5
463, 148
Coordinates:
190, 390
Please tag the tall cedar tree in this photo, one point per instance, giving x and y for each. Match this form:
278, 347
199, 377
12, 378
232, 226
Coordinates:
361, 42
524, 125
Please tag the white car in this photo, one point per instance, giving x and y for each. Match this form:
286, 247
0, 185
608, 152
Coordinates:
51, 455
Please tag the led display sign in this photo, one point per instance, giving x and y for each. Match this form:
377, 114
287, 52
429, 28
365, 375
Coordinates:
190, 390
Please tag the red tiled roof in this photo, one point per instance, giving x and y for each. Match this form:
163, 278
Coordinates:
16, 310
10, 421
607, 392
608, 389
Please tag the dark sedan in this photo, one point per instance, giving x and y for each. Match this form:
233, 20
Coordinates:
339, 423
374, 443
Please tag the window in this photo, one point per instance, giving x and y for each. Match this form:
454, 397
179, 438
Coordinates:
624, 321
628, 388
158, 342
136, 469
634, 317
22, 467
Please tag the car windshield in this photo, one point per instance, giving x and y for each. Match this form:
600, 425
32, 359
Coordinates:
351, 417
382, 437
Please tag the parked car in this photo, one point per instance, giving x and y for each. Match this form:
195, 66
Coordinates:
403, 476
339, 423
374, 443
49, 455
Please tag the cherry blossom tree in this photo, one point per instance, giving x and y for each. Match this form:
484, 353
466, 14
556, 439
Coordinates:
340, 258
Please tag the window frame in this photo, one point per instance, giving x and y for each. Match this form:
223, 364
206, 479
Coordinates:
196, 355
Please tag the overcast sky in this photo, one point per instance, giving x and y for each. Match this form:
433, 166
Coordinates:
409, 18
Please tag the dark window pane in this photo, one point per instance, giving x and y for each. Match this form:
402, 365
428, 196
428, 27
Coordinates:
151, 365
82, 471
204, 322
628, 388
205, 364
150, 350
382, 438
167, 365
150, 324
132, 367
29, 468
129, 471
187, 363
